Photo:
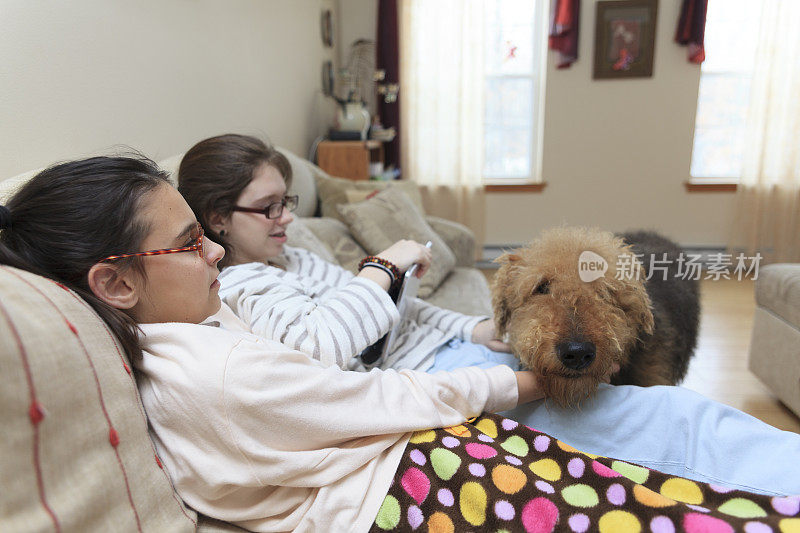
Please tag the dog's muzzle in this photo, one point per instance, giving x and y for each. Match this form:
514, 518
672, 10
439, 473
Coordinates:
576, 355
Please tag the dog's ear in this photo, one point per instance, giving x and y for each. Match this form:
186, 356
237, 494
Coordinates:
503, 292
630, 295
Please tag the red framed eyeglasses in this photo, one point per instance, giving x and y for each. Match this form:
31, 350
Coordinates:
198, 245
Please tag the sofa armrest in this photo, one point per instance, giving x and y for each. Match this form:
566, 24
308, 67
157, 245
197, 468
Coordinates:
458, 237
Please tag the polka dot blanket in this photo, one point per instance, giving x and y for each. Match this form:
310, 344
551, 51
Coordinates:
495, 474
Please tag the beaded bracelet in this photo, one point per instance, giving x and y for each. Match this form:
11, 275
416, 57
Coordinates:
388, 272
383, 264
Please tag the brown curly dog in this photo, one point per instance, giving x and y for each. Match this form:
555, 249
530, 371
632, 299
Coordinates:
577, 301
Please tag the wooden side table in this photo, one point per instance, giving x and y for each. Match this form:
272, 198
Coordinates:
349, 159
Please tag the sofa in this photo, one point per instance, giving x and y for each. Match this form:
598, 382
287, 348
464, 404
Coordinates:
75, 453
775, 343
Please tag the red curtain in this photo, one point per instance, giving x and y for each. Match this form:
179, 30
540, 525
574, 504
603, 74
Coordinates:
564, 30
387, 49
692, 28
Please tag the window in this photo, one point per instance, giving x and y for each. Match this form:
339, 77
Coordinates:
514, 66
730, 42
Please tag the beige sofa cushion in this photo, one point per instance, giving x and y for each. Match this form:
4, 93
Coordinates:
334, 192
302, 184
465, 290
389, 216
10, 186
778, 290
67, 399
346, 251
299, 236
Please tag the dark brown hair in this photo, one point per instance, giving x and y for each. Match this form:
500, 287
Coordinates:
215, 171
71, 215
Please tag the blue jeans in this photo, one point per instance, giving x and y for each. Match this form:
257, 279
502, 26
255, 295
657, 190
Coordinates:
670, 429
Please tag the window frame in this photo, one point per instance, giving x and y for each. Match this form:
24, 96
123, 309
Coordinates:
705, 183
533, 181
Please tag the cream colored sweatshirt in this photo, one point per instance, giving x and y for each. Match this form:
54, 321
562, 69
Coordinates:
255, 433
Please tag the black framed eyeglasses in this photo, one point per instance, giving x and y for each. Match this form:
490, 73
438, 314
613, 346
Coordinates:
273, 210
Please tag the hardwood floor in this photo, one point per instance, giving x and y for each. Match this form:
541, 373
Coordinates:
719, 368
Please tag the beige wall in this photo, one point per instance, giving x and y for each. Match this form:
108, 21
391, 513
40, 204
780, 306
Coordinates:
82, 76
616, 152
357, 20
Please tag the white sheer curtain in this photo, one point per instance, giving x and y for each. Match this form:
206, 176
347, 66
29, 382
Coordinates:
768, 198
441, 115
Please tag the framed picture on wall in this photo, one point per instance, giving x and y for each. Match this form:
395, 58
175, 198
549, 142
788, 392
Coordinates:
624, 41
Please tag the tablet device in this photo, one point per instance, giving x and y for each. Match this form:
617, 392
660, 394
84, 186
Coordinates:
407, 291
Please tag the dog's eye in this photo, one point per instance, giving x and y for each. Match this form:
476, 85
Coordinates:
542, 288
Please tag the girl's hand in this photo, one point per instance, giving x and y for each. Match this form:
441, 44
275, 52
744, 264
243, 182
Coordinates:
484, 333
527, 387
405, 253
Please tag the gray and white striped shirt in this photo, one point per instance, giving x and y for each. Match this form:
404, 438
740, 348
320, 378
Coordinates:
325, 311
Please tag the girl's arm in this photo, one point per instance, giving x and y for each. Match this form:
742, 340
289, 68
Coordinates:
477, 329
310, 407
459, 324
328, 323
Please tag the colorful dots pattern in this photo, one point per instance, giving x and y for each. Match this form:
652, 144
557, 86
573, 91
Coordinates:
544, 486
742, 508
575, 467
477, 469
616, 494
487, 427
539, 515
508, 479
445, 463
682, 490
637, 474
472, 502
788, 506
579, 522
789, 525
580, 495
547, 469
450, 442
418, 457
389, 513
616, 521
662, 524
493, 474
415, 516
649, 498
516, 445
416, 484
504, 510
440, 523
757, 527
513, 460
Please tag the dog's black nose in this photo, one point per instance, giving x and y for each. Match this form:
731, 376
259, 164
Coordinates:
576, 355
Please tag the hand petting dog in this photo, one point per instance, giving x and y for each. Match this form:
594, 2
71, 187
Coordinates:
484, 333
